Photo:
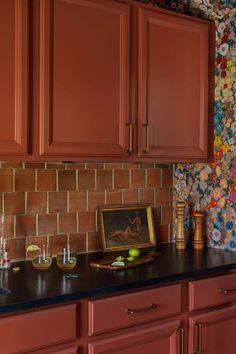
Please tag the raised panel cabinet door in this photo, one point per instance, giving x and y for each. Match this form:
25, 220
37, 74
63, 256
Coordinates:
83, 77
213, 332
14, 77
173, 57
72, 350
163, 339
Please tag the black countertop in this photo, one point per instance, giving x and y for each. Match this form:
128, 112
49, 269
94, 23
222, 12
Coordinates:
31, 288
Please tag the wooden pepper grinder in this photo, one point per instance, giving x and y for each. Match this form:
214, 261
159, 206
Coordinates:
198, 242
180, 239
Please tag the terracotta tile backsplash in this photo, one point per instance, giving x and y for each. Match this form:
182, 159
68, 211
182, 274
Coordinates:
56, 202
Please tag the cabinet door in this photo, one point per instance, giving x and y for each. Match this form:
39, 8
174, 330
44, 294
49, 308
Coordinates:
163, 339
213, 332
84, 78
72, 350
14, 77
172, 86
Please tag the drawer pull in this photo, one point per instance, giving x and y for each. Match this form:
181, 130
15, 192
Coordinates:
199, 338
226, 291
181, 331
130, 126
142, 309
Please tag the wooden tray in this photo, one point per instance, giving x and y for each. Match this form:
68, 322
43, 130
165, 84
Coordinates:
107, 263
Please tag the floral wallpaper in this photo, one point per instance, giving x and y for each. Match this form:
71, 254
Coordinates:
211, 188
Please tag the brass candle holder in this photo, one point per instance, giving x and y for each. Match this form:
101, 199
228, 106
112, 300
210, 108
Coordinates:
180, 239
198, 242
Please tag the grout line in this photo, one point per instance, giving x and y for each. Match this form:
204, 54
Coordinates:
47, 202
57, 223
77, 222
56, 180
96, 220
86, 241
36, 181
95, 179
112, 178
68, 201
37, 224
86, 201
26, 202
14, 226
76, 179
13, 180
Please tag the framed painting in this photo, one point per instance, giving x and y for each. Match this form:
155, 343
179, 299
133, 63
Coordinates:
126, 226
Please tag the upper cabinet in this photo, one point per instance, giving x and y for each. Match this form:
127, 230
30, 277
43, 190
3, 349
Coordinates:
122, 80
109, 80
173, 85
84, 78
14, 77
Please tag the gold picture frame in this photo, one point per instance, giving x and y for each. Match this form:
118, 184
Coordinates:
126, 226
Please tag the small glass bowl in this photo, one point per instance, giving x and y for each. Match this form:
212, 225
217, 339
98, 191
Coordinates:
66, 258
42, 259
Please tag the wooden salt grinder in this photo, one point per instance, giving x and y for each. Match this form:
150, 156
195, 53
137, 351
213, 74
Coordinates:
180, 239
198, 242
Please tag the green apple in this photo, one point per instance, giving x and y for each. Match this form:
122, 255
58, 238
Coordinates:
131, 259
134, 252
120, 258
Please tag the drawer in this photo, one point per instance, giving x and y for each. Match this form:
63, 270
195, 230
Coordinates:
28, 331
126, 310
212, 291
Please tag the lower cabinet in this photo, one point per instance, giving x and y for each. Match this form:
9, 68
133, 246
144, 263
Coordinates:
73, 350
189, 317
198, 317
213, 332
26, 332
163, 339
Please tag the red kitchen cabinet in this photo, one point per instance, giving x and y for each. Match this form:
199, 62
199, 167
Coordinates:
84, 78
72, 350
213, 332
14, 76
173, 83
164, 339
23, 333
122, 80
104, 80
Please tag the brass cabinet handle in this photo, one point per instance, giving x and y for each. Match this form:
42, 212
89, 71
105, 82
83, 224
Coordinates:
181, 331
141, 309
130, 126
226, 291
199, 338
146, 150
